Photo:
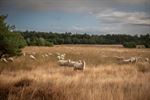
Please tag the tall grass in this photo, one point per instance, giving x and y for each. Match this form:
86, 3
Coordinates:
103, 79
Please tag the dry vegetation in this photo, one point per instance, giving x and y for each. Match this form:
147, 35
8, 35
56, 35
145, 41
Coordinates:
105, 77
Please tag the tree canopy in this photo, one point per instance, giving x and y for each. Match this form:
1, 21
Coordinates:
70, 38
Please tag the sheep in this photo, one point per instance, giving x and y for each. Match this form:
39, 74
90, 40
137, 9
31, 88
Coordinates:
79, 65
71, 63
126, 60
32, 57
61, 56
4, 60
146, 59
132, 60
10, 59
63, 62
46, 55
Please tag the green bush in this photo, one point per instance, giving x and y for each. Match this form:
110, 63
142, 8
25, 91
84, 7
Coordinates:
10, 42
129, 44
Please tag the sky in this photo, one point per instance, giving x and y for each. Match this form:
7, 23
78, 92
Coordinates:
79, 16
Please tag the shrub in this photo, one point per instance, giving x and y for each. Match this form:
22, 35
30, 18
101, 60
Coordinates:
129, 44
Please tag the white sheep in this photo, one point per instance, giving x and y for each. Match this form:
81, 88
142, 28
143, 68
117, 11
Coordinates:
146, 59
32, 57
71, 63
130, 60
4, 60
133, 59
10, 59
79, 65
46, 55
63, 62
61, 56
126, 60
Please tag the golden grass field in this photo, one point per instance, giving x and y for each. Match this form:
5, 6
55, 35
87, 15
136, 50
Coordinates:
105, 77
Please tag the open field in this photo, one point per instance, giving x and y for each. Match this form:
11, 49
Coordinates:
105, 76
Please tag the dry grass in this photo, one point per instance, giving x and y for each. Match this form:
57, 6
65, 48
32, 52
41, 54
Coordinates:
105, 77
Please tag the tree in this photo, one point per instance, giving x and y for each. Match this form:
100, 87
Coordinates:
10, 42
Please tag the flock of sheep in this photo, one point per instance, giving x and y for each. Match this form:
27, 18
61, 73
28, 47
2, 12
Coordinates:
132, 59
31, 56
77, 65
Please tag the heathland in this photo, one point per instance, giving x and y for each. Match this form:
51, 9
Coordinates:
106, 76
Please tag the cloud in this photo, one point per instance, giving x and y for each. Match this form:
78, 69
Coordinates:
111, 16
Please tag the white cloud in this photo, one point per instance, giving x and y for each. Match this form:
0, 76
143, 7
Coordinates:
112, 16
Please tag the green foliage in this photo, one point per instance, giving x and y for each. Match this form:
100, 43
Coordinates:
38, 42
69, 38
129, 44
146, 40
10, 42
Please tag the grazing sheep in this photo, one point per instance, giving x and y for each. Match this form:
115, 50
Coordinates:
131, 60
71, 63
79, 65
146, 59
4, 60
61, 56
46, 55
32, 57
10, 59
63, 62
126, 60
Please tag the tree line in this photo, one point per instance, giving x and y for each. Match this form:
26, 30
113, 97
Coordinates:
70, 38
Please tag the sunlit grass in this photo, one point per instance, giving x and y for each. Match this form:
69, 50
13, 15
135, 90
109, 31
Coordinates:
104, 78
